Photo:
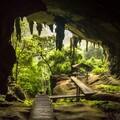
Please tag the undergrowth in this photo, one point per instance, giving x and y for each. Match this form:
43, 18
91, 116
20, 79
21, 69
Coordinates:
73, 100
66, 101
108, 88
91, 102
28, 102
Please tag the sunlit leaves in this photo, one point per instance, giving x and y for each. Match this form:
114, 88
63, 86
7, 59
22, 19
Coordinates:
59, 62
33, 71
45, 43
108, 88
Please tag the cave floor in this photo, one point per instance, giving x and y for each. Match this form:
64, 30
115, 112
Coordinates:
13, 111
85, 111
79, 111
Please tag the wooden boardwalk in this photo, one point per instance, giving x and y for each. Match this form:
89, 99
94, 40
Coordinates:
42, 109
84, 88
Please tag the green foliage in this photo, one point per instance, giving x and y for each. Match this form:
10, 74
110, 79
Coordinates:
94, 57
93, 52
28, 103
59, 62
94, 62
108, 88
2, 98
37, 59
63, 101
32, 70
82, 70
95, 102
45, 43
98, 65
98, 70
91, 102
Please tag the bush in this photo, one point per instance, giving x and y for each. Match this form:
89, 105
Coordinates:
98, 70
94, 62
28, 103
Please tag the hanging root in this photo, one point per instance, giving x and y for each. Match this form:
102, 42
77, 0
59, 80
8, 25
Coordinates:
86, 45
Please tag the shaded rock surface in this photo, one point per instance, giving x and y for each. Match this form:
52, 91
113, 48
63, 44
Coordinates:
64, 87
13, 111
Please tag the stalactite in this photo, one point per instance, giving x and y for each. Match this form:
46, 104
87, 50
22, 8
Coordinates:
31, 25
75, 41
51, 27
45, 24
86, 45
104, 51
98, 44
60, 27
39, 28
22, 18
94, 44
71, 44
79, 40
18, 29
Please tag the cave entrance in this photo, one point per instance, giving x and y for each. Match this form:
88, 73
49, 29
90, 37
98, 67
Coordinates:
38, 59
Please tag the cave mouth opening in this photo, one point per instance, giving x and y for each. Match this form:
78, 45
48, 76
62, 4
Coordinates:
37, 58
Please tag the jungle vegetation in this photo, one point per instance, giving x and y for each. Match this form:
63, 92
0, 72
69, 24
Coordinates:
38, 59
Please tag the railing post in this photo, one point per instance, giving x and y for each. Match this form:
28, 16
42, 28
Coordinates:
77, 94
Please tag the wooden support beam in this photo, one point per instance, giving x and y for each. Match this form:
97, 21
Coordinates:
77, 94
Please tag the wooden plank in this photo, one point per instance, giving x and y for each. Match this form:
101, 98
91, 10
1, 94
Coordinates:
65, 96
84, 88
42, 109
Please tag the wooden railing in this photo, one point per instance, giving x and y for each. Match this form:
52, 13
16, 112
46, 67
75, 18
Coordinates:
81, 88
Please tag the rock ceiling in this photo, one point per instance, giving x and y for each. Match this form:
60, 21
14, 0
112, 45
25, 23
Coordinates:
95, 20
